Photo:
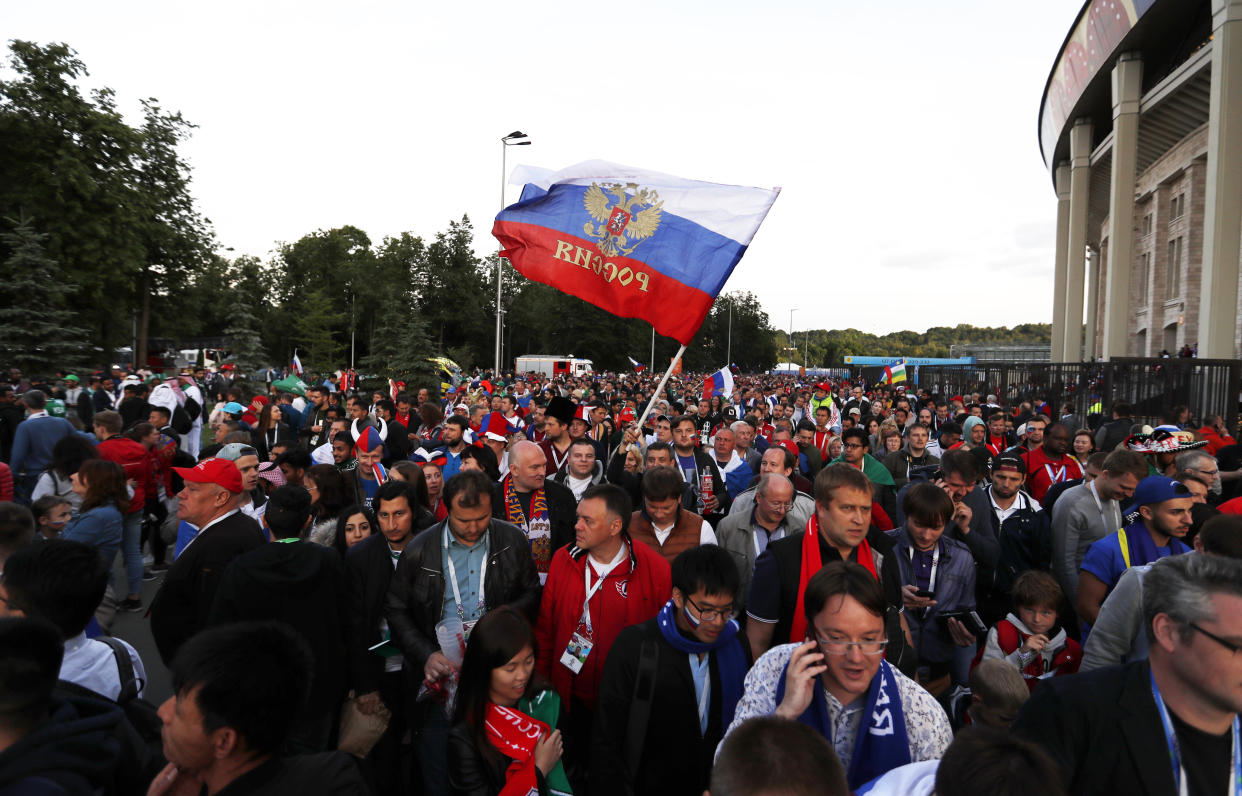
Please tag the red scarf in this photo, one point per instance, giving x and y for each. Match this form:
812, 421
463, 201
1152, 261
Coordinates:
514, 734
812, 563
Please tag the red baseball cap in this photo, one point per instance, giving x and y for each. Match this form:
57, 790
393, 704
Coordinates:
790, 446
220, 472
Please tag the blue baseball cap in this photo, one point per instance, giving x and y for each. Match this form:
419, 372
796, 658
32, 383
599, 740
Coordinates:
1157, 489
234, 408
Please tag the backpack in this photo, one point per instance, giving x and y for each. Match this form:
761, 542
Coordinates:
140, 735
192, 409
181, 422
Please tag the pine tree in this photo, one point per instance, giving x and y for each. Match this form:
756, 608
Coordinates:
242, 338
37, 332
401, 346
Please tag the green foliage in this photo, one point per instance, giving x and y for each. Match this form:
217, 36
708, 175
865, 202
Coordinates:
37, 331
112, 199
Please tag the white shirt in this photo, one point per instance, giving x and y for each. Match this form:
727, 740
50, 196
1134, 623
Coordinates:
91, 664
706, 534
577, 485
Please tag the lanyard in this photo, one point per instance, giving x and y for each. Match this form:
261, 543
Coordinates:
558, 463
590, 590
1108, 524
755, 528
452, 571
931, 581
1055, 476
1175, 754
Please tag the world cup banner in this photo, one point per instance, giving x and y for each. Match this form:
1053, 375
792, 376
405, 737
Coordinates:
635, 243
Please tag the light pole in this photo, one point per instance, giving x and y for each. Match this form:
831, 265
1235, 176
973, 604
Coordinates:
514, 138
729, 345
791, 345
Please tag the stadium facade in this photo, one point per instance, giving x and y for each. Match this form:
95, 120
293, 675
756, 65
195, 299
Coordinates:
1140, 127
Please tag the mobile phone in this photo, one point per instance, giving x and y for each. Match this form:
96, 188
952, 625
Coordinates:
968, 618
926, 594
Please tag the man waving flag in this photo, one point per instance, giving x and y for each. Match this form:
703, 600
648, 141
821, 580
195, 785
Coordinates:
718, 383
638, 366
629, 241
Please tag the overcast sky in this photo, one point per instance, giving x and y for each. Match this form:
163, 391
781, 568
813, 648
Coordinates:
903, 134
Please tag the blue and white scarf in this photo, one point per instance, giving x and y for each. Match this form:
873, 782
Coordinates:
881, 744
730, 658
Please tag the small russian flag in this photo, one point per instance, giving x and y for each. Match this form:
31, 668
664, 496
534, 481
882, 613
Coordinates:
638, 366
297, 363
718, 383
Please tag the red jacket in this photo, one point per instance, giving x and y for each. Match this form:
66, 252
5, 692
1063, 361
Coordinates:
1042, 472
632, 593
136, 460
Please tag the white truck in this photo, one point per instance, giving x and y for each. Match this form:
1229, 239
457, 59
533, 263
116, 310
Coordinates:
554, 365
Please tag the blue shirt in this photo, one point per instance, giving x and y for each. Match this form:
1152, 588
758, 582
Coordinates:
468, 563
690, 467
701, 672
1103, 558
370, 486
452, 464
100, 527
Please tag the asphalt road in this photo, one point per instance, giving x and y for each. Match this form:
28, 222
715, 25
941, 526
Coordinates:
136, 629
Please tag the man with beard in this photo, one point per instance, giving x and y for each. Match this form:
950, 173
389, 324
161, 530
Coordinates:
1022, 529
454, 438
376, 676
556, 419
1035, 426
1163, 520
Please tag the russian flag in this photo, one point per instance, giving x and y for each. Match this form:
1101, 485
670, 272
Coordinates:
297, 363
719, 383
630, 241
638, 366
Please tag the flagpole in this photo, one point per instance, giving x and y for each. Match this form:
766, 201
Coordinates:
652, 360
660, 387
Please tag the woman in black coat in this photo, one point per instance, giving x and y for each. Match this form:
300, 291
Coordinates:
272, 429
498, 739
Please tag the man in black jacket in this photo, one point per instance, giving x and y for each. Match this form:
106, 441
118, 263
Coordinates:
1114, 730
543, 509
375, 673
455, 569
695, 464
209, 502
237, 691
301, 584
664, 743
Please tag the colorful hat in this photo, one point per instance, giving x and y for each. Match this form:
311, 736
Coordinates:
369, 437
498, 428
1160, 441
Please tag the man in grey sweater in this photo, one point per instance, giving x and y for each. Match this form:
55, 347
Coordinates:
1089, 512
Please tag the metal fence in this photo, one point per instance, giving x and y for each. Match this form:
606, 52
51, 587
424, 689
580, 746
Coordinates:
1152, 386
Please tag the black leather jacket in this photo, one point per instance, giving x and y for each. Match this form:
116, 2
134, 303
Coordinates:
415, 598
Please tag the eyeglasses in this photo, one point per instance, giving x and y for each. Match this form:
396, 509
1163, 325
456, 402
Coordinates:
777, 505
712, 615
1229, 645
1213, 473
834, 646
854, 445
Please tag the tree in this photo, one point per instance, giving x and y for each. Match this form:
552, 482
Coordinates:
37, 332
399, 350
241, 337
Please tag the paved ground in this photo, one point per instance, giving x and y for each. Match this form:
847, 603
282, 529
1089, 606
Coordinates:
136, 629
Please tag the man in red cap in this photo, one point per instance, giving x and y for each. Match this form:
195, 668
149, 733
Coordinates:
208, 501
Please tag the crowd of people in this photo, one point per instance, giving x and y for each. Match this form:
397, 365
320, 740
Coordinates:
579, 585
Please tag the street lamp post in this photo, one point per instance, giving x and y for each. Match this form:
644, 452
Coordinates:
515, 138
791, 345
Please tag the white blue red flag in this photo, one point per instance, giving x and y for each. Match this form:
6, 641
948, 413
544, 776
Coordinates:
636, 243
719, 383
297, 363
638, 366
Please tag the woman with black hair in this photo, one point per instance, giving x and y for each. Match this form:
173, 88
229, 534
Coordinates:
353, 524
67, 456
481, 459
271, 430
503, 740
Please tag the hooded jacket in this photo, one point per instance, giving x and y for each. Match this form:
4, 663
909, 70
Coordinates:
74, 752
303, 585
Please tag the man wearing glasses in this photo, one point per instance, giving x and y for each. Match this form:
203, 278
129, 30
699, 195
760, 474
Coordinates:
838, 682
1168, 724
662, 737
746, 535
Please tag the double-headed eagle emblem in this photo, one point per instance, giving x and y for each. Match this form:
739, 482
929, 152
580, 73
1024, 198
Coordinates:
633, 217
